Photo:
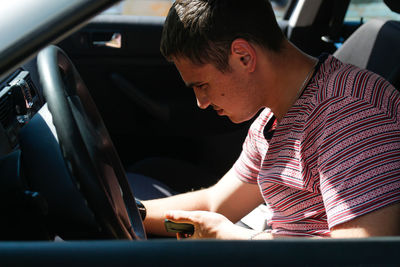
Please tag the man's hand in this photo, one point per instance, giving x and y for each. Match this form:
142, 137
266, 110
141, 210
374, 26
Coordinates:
208, 225
230, 197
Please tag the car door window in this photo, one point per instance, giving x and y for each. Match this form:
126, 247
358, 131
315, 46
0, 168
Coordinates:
160, 8
364, 10
157, 8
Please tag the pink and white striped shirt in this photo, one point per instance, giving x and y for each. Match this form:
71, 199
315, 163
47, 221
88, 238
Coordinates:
333, 157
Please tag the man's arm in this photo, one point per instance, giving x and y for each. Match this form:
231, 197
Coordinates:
382, 222
230, 197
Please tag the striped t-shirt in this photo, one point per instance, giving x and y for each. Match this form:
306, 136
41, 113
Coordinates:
333, 157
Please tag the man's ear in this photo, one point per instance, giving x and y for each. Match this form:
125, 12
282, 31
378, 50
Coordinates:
243, 51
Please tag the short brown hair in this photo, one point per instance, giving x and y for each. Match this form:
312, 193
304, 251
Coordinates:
203, 30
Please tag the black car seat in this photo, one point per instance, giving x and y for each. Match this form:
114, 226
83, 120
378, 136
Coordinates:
376, 46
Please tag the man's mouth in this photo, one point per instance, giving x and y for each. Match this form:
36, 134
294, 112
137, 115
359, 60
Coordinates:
219, 110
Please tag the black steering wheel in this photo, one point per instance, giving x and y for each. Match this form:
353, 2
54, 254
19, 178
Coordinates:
87, 148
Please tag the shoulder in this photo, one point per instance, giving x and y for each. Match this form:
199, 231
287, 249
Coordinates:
339, 84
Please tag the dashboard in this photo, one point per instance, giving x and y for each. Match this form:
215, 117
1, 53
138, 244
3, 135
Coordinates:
20, 99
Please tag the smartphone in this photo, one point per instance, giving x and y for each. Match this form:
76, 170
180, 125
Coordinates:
173, 227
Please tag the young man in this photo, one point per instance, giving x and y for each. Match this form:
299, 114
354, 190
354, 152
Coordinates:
324, 154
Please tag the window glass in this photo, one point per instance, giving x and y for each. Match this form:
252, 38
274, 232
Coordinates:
279, 7
161, 7
368, 9
157, 8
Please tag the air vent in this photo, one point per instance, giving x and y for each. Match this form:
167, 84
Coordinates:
7, 113
31, 87
27, 92
24, 82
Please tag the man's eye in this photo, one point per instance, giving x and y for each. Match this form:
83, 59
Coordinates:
202, 87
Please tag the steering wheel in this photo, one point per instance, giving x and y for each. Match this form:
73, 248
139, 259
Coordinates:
87, 148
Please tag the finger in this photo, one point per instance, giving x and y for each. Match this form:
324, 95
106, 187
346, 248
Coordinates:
184, 236
180, 216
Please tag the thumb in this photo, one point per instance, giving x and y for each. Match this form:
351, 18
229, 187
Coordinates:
179, 216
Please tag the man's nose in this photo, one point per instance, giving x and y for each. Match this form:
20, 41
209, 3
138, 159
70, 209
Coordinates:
202, 100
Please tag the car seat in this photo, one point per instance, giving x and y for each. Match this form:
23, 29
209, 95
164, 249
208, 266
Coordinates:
375, 46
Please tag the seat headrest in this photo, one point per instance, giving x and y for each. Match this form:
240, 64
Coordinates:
394, 5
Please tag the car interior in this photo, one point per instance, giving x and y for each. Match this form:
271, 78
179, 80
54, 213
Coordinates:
374, 46
87, 100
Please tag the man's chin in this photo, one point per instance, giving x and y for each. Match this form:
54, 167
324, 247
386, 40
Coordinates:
232, 118
237, 120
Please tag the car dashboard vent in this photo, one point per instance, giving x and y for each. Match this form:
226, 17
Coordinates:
29, 90
6, 109
19, 101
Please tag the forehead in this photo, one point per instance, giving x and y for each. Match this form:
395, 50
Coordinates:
194, 73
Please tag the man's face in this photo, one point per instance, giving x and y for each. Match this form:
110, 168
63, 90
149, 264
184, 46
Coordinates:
230, 93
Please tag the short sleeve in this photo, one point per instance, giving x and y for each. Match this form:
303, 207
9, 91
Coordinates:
254, 149
359, 158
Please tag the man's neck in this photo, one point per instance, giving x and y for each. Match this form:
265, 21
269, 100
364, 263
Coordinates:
288, 74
